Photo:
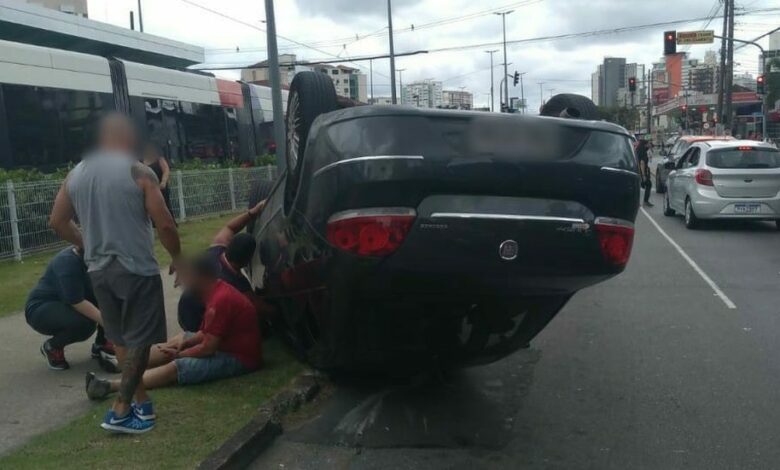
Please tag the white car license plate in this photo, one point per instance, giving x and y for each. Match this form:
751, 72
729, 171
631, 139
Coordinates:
747, 208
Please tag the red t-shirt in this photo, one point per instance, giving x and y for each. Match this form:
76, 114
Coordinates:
232, 318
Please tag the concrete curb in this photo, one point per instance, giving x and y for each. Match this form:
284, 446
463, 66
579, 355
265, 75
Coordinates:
251, 440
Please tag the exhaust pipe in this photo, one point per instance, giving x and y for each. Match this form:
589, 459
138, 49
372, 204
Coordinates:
570, 113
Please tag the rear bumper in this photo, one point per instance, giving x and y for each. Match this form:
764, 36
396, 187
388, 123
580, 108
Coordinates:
707, 204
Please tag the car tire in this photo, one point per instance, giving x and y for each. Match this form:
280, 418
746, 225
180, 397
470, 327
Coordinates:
777, 225
311, 94
691, 221
668, 211
557, 104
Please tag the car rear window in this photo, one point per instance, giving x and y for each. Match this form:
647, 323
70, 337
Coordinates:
744, 158
481, 135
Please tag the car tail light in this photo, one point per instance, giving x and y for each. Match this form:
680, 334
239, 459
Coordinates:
370, 232
616, 238
703, 177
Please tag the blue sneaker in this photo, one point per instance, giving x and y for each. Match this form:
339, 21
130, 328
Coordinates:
144, 411
129, 424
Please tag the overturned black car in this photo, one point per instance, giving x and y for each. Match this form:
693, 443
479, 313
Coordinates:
402, 236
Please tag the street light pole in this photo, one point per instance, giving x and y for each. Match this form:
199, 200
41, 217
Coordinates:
506, 72
541, 93
392, 52
276, 86
492, 80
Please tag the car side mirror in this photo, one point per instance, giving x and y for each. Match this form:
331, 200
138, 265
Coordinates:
670, 165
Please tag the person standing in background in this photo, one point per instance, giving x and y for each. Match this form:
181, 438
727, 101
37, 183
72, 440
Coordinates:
643, 155
114, 196
159, 165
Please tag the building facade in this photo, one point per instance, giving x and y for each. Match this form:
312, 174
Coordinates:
72, 7
349, 82
613, 77
457, 99
424, 94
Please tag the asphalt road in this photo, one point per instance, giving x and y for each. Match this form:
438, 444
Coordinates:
650, 370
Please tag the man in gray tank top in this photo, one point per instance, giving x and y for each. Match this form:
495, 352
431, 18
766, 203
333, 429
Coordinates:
116, 198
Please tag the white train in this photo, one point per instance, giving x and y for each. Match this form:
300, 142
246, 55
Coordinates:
50, 100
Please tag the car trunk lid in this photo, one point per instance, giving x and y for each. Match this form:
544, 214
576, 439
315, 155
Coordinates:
745, 172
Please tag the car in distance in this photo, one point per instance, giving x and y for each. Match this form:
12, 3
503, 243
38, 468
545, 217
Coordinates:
737, 179
406, 237
679, 147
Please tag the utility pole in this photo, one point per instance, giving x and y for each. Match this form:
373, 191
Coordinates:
276, 87
522, 93
729, 80
541, 94
506, 84
492, 80
722, 68
392, 52
140, 17
401, 83
371, 78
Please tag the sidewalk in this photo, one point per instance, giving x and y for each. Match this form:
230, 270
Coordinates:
35, 399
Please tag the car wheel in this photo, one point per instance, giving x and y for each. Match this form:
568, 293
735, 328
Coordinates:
777, 224
691, 221
311, 94
582, 104
668, 211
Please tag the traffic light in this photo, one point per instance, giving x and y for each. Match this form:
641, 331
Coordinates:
670, 42
632, 84
517, 77
761, 84
685, 108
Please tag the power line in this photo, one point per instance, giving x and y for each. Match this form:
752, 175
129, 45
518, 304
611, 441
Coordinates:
414, 28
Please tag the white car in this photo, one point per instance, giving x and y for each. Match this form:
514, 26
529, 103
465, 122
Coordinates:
737, 179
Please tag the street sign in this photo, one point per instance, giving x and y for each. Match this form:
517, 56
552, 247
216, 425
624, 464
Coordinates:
696, 37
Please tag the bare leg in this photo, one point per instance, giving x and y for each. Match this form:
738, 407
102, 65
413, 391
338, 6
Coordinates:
134, 361
158, 358
154, 378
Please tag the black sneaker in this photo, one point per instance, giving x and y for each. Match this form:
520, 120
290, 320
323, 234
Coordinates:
106, 357
97, 389
649, 204
54, 357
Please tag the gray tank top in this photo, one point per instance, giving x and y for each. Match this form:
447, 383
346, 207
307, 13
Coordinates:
110, 208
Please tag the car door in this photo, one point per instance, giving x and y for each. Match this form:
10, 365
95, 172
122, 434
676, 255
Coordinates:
674, 182
685, 176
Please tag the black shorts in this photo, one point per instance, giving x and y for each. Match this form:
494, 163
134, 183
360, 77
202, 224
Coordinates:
132, 306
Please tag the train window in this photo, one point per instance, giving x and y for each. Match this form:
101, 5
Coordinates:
49, 127
204, 129
231, 122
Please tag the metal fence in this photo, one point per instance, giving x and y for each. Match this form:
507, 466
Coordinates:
25, 207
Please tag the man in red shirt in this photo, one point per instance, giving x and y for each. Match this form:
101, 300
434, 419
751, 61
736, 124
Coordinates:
227, 344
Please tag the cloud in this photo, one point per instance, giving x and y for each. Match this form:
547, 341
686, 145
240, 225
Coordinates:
341, 10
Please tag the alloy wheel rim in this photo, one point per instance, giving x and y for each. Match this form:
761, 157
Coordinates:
293, 131
687, 212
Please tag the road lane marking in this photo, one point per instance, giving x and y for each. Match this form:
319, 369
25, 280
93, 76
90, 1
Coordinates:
707, 279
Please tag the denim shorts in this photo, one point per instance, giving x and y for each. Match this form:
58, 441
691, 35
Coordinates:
195, 370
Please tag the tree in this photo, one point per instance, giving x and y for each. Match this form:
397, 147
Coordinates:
626, 117
772, 74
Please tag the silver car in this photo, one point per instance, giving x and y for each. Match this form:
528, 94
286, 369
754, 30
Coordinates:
737, 179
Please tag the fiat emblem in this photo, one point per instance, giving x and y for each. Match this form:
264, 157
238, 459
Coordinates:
508, 249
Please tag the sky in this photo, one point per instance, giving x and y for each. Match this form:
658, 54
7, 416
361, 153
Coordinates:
331, 29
